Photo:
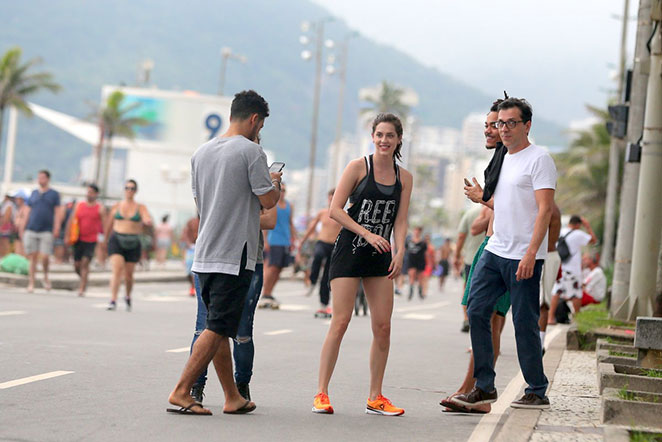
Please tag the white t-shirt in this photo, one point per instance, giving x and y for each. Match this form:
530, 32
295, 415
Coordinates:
575, 241
515, 208
596, 284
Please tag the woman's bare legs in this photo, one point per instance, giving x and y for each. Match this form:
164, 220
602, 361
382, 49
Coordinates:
379, 294
344, 293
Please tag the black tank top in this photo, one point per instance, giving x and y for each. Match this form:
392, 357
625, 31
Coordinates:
373, 209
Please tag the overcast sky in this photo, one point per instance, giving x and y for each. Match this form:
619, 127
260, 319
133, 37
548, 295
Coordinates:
557, 54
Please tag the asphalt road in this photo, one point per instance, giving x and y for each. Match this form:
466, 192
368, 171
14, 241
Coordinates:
121, 371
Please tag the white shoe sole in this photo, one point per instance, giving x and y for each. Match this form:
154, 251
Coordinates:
382, 413
469, 404
530, 407
318, 411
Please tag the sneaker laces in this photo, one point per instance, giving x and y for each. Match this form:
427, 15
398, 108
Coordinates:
323, 397
385, 400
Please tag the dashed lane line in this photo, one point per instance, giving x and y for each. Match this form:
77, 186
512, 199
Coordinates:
13, 313
179, 350
39, 377
278, 332
419, 316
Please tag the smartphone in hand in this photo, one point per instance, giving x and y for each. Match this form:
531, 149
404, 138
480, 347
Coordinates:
467, 183
276, 166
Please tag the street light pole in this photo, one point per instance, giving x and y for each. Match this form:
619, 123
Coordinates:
616, 147
226, 53
344, 49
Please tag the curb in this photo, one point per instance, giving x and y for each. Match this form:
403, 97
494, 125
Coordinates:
519, 423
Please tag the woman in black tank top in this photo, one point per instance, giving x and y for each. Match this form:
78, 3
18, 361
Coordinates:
379, 192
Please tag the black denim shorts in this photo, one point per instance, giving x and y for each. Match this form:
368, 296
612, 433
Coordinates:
224, 296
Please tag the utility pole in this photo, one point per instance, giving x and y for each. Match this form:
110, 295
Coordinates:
628, 198
344, 49
226, 53
616, 147
319, 29
648, 228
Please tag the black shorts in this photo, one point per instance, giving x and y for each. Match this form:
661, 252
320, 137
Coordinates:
84, 249
417, 262
224, 296
126, 245
279, 256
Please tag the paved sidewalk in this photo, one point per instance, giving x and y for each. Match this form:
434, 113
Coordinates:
575, 412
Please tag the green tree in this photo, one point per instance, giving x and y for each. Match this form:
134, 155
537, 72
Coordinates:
17, 82
583, 171
388, 100
115, 120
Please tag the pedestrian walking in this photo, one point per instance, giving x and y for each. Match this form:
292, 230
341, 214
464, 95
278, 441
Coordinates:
44, 221
230, 181
416, 248
164, 235
125, 225
326, 237
278, 247
379, 192
83, 229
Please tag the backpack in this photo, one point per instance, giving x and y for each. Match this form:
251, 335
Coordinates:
563, 249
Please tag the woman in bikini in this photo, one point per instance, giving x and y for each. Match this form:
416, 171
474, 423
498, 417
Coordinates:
379, 192
126, 221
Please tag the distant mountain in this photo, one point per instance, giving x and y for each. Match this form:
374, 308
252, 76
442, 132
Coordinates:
90, 43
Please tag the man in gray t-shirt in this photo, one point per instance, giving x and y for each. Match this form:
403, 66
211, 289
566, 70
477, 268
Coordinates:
230, 181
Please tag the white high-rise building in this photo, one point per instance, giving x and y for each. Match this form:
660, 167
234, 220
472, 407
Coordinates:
473, 138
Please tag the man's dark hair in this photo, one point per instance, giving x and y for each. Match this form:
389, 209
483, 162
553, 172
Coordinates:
165, 218
495, 105
45, 172
94, 187
575, 219
247, 103
524, 107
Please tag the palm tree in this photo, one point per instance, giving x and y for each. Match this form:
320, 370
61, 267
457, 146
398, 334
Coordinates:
583, 171
114, 120
17, 82
389, 100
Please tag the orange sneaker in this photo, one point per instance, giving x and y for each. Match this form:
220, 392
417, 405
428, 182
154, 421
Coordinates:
383, 406
321, 404
191, 292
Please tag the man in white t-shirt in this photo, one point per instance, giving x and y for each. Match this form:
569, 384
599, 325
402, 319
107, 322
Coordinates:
570, 286
595, 281
513, 259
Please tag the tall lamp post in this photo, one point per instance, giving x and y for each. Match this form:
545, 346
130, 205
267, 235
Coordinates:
342, 74
318, 32
175, 177
226, 54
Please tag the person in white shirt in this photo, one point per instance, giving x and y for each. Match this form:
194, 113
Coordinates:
595, 282
570, 286
513, 258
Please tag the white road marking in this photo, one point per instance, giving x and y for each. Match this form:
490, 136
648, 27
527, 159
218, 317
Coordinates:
163, 298
294, 307
39, 377
413, 308
488, 423
13, 313
278, 332
179, 350
418, 316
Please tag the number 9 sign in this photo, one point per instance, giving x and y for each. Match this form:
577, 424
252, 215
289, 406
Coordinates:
213, 124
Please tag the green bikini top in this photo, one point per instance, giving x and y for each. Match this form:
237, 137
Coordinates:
136, 218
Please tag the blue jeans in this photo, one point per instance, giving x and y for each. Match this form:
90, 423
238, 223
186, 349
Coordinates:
493, 276
200, 324
244, 350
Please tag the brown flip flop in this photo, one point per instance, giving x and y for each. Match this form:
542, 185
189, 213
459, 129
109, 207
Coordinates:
188, 410
246, 408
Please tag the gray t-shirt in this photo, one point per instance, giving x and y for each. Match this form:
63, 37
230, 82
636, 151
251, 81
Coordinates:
227, 174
